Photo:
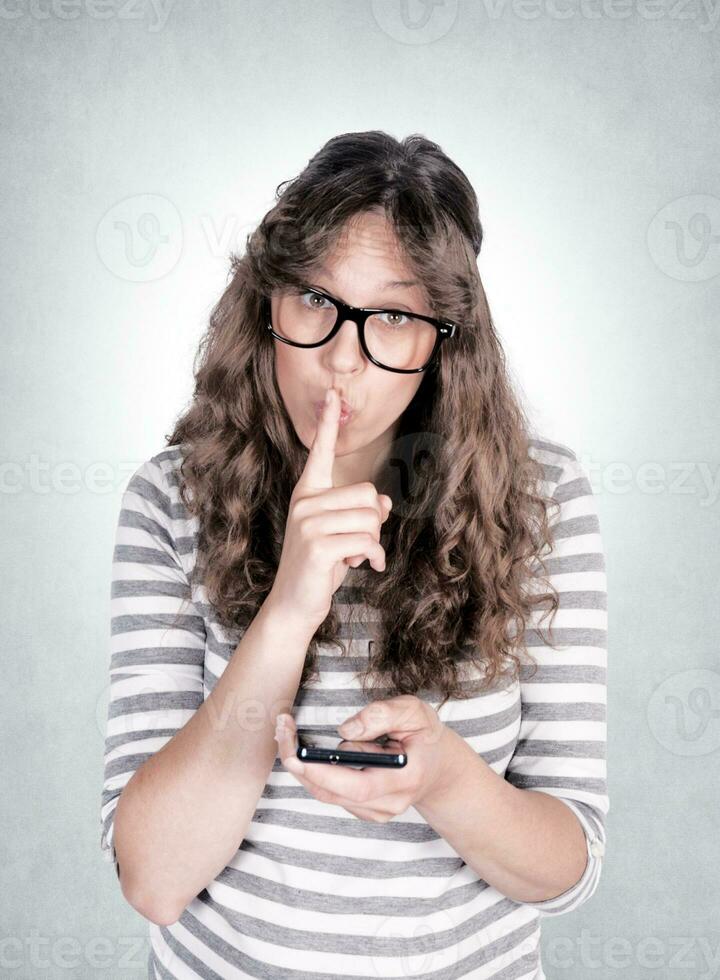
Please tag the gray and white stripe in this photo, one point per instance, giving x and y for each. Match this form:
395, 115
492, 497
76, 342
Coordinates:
314, 891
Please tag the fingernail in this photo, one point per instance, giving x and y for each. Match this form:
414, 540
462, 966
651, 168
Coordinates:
327, 396
294, 765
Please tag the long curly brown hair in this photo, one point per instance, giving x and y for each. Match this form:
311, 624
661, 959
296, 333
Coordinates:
466, 535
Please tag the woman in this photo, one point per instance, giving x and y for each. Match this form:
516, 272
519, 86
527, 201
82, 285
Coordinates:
239, 600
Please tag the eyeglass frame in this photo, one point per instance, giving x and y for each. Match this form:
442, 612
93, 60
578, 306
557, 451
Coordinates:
359, 314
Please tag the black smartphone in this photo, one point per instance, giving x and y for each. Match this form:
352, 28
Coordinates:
316, 746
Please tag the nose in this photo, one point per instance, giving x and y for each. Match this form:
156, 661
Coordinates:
346, 343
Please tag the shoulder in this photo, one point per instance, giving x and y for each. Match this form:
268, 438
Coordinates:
161, 471
165, 465
576, 515
560, 465
157, 481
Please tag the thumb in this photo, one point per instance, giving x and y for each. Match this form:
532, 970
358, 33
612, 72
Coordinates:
398, 718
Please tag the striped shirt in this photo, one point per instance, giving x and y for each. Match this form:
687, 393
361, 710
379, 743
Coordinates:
314, 891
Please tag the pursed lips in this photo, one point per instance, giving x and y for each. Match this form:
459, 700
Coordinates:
345, 409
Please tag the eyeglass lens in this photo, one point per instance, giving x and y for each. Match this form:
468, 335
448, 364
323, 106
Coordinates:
397, 340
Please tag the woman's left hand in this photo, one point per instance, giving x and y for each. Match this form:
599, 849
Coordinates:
374, 793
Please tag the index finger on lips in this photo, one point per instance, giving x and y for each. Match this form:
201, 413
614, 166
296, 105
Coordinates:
317, 474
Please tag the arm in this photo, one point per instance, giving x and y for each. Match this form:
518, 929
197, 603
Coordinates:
182, 776
538, 835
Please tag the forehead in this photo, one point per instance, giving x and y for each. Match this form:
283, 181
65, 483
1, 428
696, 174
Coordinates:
388, 284
366, 265
370, 237
368, 255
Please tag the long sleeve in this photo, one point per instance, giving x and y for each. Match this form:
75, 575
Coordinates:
562, 742
157, 639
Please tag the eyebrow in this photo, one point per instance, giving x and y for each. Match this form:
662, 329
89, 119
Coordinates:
399, 283
391, 284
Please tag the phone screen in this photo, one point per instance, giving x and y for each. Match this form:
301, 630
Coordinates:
332, 750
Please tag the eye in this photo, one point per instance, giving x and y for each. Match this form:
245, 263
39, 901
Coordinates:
394, 318
313, 306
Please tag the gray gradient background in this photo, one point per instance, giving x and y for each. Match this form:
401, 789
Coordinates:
592, 140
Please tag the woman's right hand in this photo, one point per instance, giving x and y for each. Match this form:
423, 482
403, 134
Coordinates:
328, 529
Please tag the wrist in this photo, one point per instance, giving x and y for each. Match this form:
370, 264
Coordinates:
279, 617
453, 754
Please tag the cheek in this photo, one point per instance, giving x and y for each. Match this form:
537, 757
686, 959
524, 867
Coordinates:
290, 378
393, 401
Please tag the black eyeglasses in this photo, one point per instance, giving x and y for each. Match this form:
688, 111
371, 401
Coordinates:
405, 348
